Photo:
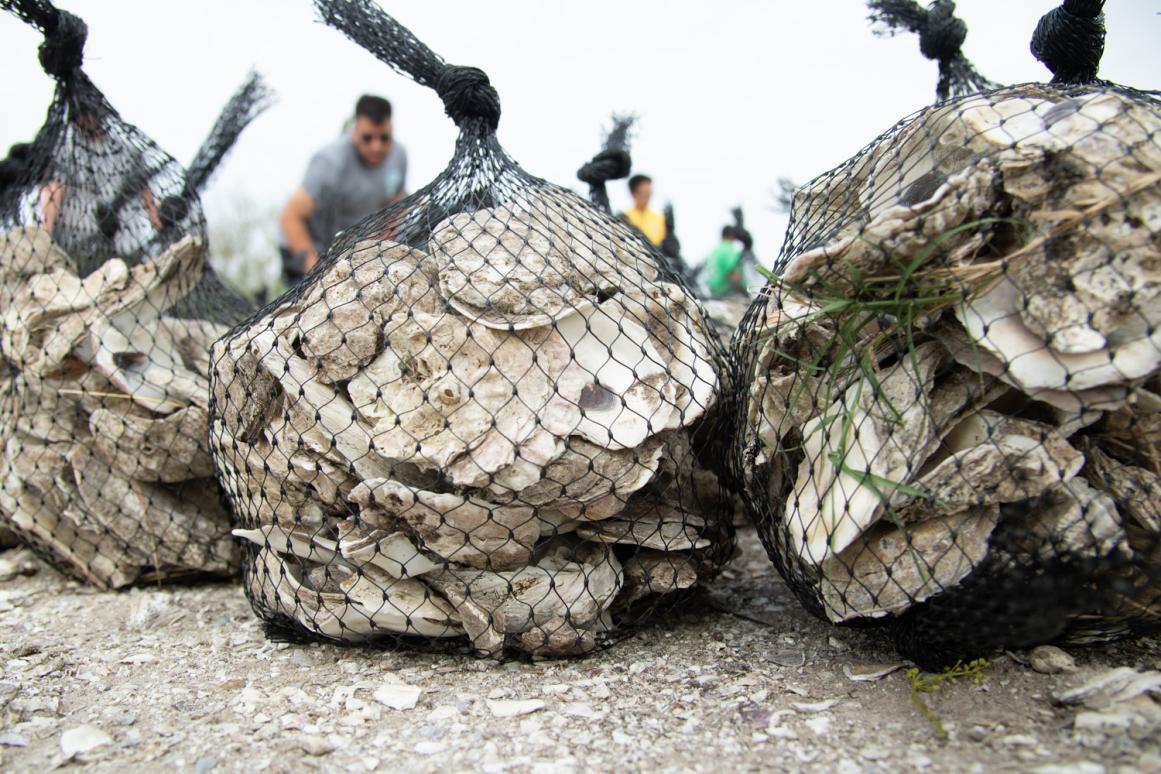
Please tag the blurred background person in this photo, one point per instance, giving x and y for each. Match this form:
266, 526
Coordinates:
649, 222
751, 275
349, 179
723, 267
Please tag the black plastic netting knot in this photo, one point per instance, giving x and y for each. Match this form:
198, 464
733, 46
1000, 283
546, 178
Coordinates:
942, 34
14, 167
941, 38
605, 166
467, 93
613, 162
63, 50
1070, 40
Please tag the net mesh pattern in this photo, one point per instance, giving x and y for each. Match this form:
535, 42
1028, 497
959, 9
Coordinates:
613, 162
948, 393
107, 314
477, 423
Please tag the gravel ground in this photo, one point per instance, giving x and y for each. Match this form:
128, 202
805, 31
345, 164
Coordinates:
740, 679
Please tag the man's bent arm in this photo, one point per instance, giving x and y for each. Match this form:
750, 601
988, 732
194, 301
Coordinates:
295, 216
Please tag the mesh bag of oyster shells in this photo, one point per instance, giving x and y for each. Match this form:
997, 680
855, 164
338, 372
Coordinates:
476, 423
948, 420
107, 314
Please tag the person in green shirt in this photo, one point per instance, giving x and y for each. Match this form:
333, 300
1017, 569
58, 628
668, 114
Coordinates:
724, 266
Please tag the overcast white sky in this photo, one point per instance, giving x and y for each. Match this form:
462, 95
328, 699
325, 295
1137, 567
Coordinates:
731, 94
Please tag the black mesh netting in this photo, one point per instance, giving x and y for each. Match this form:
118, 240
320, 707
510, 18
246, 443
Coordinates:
613, 162
107, 314
948, 413
941, 37
477, 421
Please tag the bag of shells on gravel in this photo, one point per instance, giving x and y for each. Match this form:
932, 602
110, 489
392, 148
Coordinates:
107, 314
949, 411
477, 422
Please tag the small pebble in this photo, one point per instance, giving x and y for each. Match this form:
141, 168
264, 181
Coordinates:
315, 745
578, 710
819, 725
1051, 660
398, 697
788, 658
26, 649
82, 739
821, 706
869, 673
510, 708
445, 712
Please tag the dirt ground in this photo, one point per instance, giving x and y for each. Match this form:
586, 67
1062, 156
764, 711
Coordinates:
740, 679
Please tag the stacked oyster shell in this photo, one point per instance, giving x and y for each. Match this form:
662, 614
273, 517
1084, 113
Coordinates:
487, 436
106, 467
964, 332
725, 314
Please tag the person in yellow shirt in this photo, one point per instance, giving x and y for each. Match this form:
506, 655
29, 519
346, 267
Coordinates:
649, 222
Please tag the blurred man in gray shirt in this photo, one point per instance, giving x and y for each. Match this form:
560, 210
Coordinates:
346, 181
